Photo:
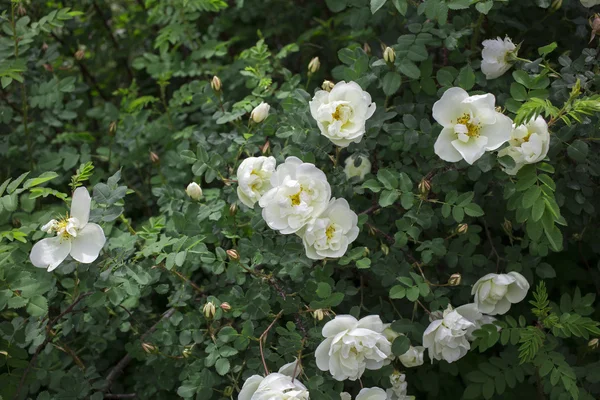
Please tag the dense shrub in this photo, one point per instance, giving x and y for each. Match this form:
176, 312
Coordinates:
195, 276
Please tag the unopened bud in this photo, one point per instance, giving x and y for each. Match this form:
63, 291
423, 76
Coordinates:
232, 209
389, 55
225, 306
48, 67
318, 314
215, 84
367, 48
228, 391
556, 5
455, 280
265, 147
595, 25
424, 186
385, 249
233, 254
327, 85
260, 112
462, 229
79, 54
154, 157
187, 352
21, 10
148, 348
44, 46
593, 344
112, 128
314, 65
194, 191
209, 310
507, 226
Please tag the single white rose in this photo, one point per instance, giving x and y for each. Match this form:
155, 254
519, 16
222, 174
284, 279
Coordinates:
446, 338
74, 236
494, 293
351, 169
413, 357
254, 178
374, 393
529, 143
496, 57
330, 234
194, 191
341, 114
299, 193
260, 112
471, 125
281, 385
472, 313
590, 3
351, 346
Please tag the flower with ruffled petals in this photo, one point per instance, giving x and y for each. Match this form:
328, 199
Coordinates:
529, 143
494, 293
472, 313
282, 385
254, 178
496, 56
446, 338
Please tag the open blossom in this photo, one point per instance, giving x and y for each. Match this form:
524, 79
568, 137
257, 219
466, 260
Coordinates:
351, 346
496, 57
494, 293
300, 192
281, 385
74, 236
413, 357
471, 126
341, 113
254, 178
472, 313
529, 143
351, 169
330, 234
446, 338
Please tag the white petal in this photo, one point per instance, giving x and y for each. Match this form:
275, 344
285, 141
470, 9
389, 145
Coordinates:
371, 394
322, 354
502, 307
497, 133
288, 369
339, 324
372, 322
88, 243
49, 253
443, 146
471, 150
250, 387
517, 290
80, 206
449, 107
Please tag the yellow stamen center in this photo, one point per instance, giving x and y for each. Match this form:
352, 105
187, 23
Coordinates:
329, 232
295, 198
472, 129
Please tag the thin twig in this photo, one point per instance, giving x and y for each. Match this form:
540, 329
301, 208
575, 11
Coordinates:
423, 307
262, 337
489, 236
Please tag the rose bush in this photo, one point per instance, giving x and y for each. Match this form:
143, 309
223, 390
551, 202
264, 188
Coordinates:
398, 195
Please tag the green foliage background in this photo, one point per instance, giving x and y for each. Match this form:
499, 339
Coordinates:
125, 85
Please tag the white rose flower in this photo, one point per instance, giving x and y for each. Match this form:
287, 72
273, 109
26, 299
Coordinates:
330, 234
446, 338
254, 178
529, 144
472, 313
471, 125
341, 114
413, 357
260, 112
345, 396
399, 387
494, 293
374, 393
496, 57
194, 191
351, 346
74, 236
299, 193
363, 168
590, 3
280, 385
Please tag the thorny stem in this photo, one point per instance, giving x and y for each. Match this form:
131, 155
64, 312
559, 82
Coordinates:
262, 338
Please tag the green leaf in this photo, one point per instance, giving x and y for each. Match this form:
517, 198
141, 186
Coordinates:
323, 290
545, 50
458, 4
45, 177
538, 209
391, 83
387, 178
466, 78
485, 6
388, 197
412, 293
222, 366
400, 345
518, 91
376, 5
473, 210
397, 292
401, 6
530, 196
458, 213
578, 150
409, 68
38, 306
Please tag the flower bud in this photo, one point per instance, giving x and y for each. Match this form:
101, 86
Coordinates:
318, 314
79, 54
314, 65
232, 209
44, 46
215, 84
595, 25
233, 254
507, 226
462, 229
556, 5
21, 10
187, 352
194, 191
389, 55
228, 391
209, 310
112, 129
150, 349
424, 186
594, 343
455, 279
153, 157
260, 112
225, 306
48, 67
327, 85
367, 48
385, 249
265, 147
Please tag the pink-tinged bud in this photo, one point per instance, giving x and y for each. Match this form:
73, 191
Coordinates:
233, 254
150, 349
225, 307
154, 157
424, 186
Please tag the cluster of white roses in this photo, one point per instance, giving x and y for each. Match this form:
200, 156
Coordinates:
449, 334
472, 126
296, 198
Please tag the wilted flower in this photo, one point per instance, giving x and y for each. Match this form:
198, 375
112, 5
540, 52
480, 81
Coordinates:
399, 388
498, 56
351, 169
366, 48
74, 236
471, 125
327, 85
595, 25
314, 65
342, 113
254, 178
260, 112
215, 84
494, 293
389, 55
529, 143
351, 346
194, 191
300, 192
330, 234
275, 386
446, 338
79, 54
209, 309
